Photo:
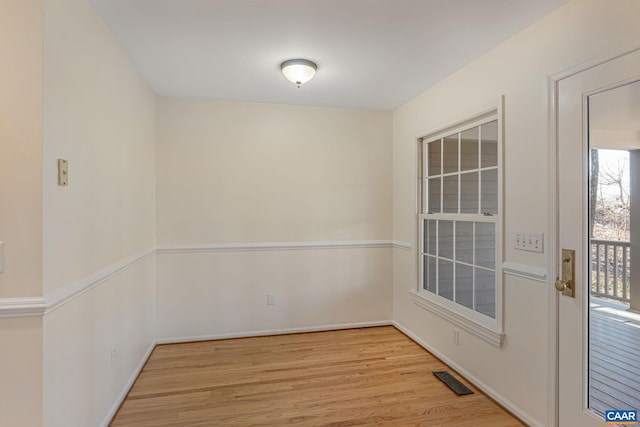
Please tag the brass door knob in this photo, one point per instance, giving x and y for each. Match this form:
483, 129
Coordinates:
560, 285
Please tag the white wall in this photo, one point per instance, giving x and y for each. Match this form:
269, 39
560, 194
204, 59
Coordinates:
225, 293
518, 69
233, 172
99, 115
82, 384
21, 208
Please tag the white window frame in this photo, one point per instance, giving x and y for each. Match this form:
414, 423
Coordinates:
483, 326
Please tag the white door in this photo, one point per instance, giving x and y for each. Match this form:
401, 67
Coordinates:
584, 394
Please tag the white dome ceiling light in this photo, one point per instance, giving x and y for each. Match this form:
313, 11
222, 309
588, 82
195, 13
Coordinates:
298, 71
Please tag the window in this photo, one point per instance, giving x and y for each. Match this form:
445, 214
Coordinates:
459, 225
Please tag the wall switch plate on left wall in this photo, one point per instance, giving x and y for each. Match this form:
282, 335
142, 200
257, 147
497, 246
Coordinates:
63, 172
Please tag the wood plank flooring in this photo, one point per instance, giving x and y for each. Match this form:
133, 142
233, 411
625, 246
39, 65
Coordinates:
614, 357
354, 377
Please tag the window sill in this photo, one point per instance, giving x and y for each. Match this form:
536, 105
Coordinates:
488, 333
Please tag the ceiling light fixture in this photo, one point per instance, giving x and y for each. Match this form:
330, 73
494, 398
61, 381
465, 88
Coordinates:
298, 71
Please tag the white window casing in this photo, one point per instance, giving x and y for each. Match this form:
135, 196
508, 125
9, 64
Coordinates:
460, 225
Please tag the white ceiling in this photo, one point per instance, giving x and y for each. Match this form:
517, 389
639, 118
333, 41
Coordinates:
373, 54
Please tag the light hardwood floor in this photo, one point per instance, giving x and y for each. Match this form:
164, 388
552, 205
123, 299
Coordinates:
354, 377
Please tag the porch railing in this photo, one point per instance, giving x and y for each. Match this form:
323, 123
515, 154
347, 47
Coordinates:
611, 269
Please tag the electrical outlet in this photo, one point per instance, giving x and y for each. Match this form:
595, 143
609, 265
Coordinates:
456, 336
271, 299
114, 357
532, 242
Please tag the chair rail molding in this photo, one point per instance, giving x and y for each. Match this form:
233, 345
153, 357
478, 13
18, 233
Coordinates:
42, 305
526, 271
22, 307
280, 246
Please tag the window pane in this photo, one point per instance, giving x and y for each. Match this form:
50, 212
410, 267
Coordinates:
464, 285
429, 276
433, 195
433, 274
450, 157
430, 237
485, 292
434, 158
450, 197
445, 276
486, 244
445, 241
490, 144
464, 241
425, 272
490, 192
425, 236
469, 144
469, 199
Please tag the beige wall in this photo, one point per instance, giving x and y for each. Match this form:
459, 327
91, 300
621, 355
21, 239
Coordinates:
99, 114
21, 207
578, 32
247, 172
21, 146
234, 172
21, 372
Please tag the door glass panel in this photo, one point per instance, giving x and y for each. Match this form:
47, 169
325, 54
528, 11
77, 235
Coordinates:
614, 228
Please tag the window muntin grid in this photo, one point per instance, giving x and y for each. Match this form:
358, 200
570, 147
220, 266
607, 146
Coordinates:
459, 219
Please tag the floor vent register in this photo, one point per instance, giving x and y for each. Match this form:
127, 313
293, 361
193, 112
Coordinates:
451, 382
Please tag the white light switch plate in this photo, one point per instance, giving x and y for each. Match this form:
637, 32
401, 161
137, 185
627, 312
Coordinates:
532, 242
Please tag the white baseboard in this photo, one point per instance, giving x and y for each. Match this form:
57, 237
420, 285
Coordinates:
510, 406
264, 332
125, 390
